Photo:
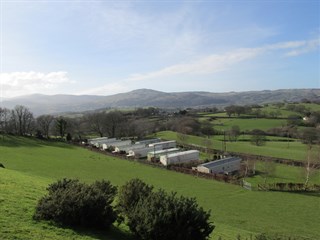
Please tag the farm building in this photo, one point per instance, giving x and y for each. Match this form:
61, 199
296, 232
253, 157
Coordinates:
179, 157
164, 145
157, 154
225, 165
148, 141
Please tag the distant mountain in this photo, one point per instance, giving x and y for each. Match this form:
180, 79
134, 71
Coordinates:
45, 104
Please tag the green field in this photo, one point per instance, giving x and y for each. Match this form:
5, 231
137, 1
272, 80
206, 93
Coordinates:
283, 173
289, 150
247, 124
283, 112
31, 165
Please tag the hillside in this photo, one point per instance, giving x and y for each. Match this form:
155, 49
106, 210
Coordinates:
32, 164
45, 104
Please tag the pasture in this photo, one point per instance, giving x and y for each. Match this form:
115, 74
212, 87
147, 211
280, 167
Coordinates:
32, 164
290, 150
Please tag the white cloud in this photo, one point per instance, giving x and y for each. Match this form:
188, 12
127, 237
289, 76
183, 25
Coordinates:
307, 46
22, 83
216, 63
209, 64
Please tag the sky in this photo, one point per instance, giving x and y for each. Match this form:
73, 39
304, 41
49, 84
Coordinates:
108, 47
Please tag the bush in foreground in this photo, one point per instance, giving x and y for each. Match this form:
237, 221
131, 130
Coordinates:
72, 203
158, 215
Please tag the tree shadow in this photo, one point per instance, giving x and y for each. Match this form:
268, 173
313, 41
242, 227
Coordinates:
113, 233
25, 141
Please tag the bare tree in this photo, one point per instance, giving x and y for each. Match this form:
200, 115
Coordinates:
22, 120
5, 115
310, 136
207, 143
61, 126
234, 133
96, 122
113, 122
44, 123
268, 170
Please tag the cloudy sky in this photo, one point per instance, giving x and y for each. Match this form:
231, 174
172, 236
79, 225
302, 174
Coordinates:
107, 47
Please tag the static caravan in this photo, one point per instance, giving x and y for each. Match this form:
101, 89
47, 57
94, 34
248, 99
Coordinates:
164, 145
225, 165
142, 152
157, 154
99, 143
148, 141
92, 141
126, 149
106, 144
121, 143
180, 157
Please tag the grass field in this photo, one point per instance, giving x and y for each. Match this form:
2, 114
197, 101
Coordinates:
283, 173
247, 124
31, 165
292, 150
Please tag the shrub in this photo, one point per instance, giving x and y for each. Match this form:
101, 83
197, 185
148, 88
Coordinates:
157, 215
130, 193
72, 203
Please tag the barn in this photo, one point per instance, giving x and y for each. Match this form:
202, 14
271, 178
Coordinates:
225, 166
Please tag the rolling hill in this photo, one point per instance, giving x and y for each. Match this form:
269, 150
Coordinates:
45, 104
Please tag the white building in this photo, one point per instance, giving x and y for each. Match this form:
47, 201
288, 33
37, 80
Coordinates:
126, 149
159, 153
180, 157
142, 152
225, 166
164, 145
148, 141
92, 141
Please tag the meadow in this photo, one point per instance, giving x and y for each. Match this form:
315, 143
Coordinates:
281, 149
32, 164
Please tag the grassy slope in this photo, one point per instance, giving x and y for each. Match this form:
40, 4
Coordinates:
234, 210
19, 195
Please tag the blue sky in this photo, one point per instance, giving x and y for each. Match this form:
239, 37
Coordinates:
108, 47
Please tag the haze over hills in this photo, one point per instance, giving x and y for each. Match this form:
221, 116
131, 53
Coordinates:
51, 104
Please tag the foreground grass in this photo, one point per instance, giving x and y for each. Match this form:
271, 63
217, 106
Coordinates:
234, 210
19, 195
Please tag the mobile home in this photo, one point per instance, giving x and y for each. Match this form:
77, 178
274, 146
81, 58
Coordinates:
157, 154
180, 157
225, 165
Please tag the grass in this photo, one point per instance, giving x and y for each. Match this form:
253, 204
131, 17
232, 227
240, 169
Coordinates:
283, 173
31, 165
247, 124
289, 150
22, 192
